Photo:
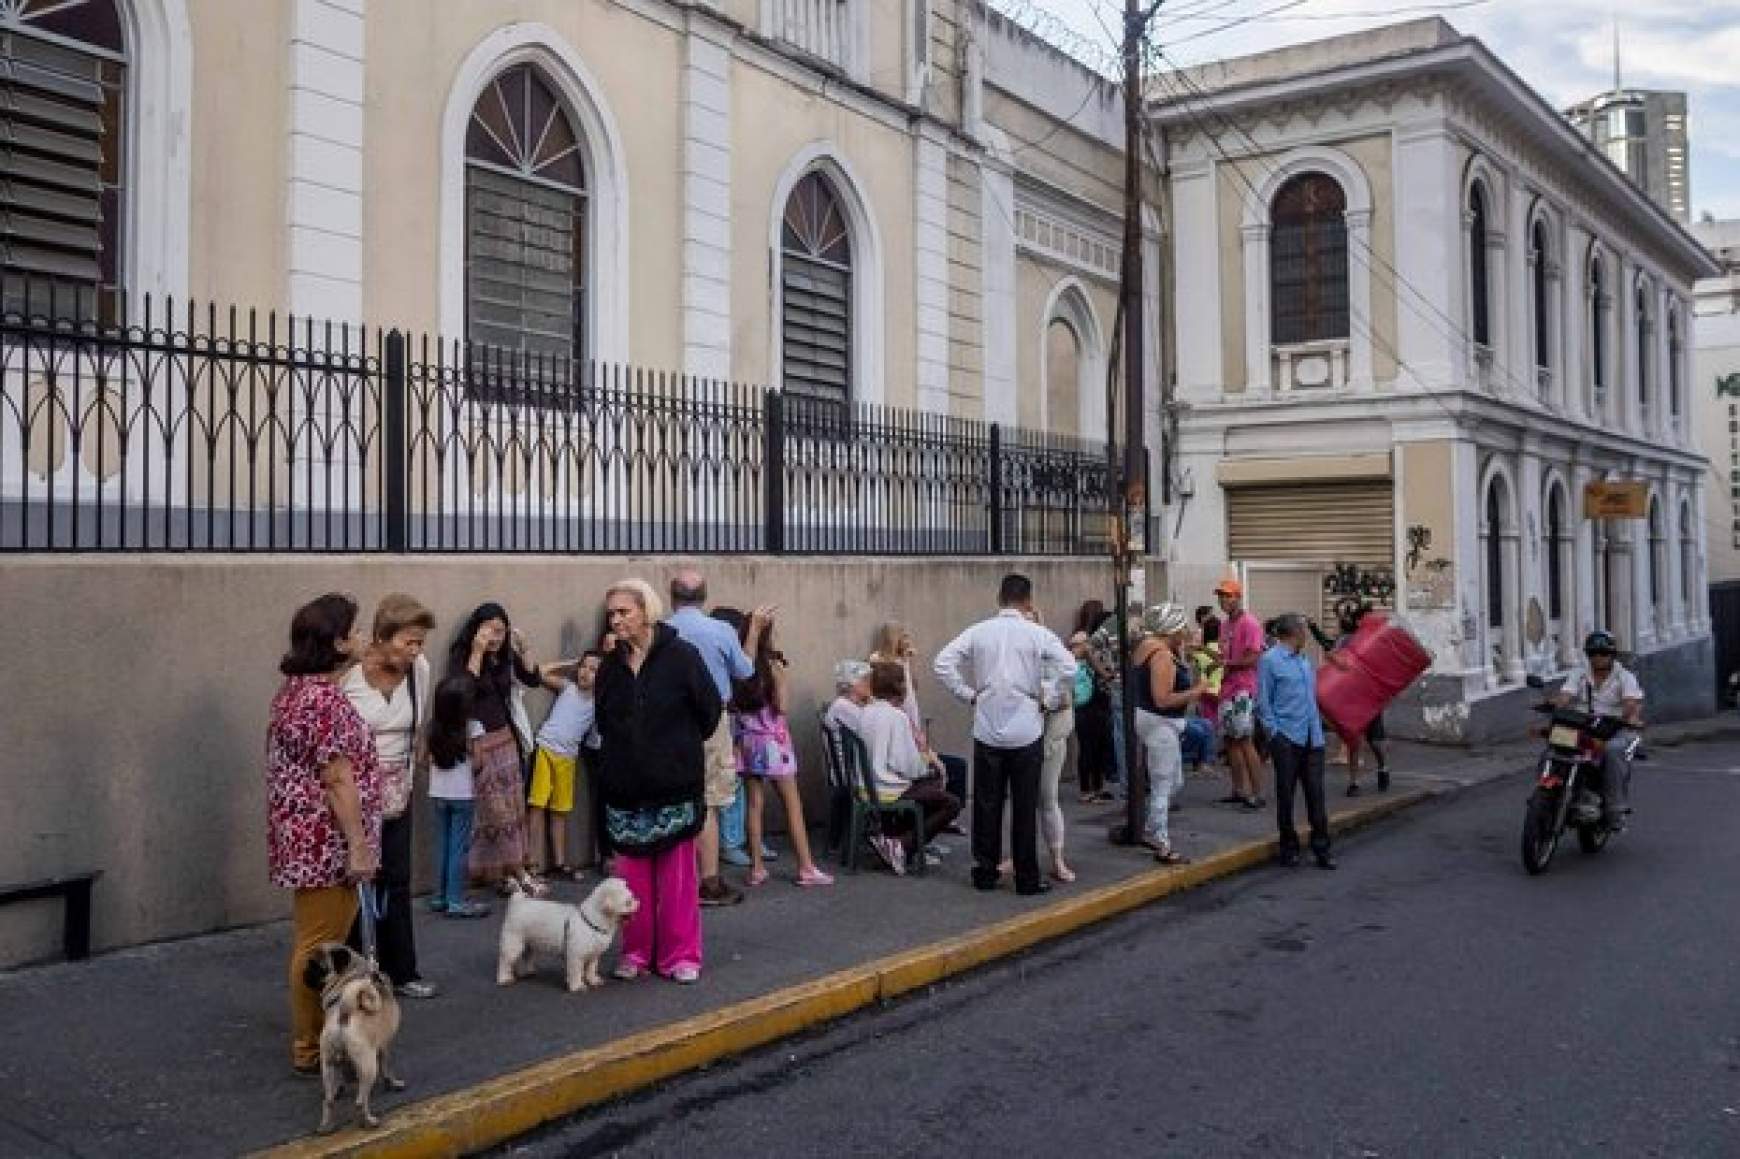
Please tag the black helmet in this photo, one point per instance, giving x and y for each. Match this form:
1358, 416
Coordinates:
1600, 642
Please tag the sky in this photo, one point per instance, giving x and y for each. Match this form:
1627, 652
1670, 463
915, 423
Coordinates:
1564, 48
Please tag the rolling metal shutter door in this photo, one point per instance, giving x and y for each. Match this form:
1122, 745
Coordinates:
1342, 522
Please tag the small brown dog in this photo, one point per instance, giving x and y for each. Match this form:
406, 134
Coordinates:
362, 1016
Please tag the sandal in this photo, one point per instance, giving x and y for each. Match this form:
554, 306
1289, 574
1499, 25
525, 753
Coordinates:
1171, 857
1062, 873
813, 877
756, 877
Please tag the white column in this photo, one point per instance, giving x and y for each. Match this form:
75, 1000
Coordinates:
1427, 229
1364, 328
1468, 560
931, 243
1573, 316
706, 111
1580, 604
1002, 325
1532, 555
1196, 257
1257, 324
324, 254
1517, 323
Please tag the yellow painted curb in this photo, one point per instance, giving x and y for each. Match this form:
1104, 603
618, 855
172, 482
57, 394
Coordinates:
490, 1113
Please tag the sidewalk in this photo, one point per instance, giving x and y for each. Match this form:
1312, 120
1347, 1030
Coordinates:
181, 1048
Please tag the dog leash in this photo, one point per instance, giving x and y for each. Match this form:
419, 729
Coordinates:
370, 911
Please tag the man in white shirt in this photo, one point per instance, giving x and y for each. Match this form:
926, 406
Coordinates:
1607, 688
997, 666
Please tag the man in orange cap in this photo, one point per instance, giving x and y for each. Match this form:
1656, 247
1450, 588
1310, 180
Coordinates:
1241, 644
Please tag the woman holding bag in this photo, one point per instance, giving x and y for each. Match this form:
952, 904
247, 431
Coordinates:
390, 691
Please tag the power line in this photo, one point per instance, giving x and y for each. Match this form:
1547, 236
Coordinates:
1367, 14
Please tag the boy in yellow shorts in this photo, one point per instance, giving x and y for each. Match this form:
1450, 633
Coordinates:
551, 798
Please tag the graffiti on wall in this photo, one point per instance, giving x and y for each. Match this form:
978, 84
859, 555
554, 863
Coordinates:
1351, 586
1431, 579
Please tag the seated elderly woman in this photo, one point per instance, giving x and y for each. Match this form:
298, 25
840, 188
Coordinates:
852, 689
900, 770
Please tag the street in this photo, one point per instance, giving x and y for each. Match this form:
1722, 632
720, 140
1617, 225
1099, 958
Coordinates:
1427, 999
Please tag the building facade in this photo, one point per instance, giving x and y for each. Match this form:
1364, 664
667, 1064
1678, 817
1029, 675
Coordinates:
1421, 318
1645, 133
1716, 393
914, 204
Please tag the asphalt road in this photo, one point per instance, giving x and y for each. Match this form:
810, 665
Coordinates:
1426, 999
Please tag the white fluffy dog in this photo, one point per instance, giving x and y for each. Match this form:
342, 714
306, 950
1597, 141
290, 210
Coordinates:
580, 934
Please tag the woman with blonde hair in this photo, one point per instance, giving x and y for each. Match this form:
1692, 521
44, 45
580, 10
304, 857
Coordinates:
893, 645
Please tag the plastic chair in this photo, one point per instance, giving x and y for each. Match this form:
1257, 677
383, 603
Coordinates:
840, 793
870, 811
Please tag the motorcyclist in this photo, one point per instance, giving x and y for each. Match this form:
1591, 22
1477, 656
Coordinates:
1607, 688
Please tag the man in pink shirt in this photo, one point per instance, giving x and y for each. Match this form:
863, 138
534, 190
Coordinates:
1241, 645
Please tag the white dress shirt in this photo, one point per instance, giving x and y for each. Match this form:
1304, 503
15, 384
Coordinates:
997, 666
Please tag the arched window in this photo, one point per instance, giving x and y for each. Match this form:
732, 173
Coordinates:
1063, 351
1674, 355
526, 253
63, 157
815, 286
1688, 563
1308, 291
1657, 562
1538, 275
1555, 554
1481, 319
1644, 333
1598, 306
1495, 602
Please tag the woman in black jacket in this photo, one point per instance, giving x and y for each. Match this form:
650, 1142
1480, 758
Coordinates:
656, 707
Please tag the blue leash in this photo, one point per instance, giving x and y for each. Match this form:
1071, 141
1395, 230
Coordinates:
371, 908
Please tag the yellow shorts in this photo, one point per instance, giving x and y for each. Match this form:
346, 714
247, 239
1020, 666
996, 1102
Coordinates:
721, 759
552, 782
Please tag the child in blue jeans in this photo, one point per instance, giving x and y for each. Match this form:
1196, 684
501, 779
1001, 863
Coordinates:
451, 730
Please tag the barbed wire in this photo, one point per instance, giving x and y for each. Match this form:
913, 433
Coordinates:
1046, 26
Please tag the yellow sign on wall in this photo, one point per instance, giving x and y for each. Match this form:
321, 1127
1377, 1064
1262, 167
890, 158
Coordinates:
1616, 499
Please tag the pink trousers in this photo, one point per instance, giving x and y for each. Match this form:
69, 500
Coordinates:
665, 933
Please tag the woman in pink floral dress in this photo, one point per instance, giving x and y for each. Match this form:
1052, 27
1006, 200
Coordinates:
323, 800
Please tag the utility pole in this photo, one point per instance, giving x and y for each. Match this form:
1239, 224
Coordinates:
1131, 476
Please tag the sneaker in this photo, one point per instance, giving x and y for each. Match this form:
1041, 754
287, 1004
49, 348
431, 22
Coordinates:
686, 975
813, 877
931, 860
417, 988
437, 905
735, 855
936, 849
463, 910
626, 972
768, 854
714, 892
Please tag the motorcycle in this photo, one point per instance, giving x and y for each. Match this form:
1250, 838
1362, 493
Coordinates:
1576, 743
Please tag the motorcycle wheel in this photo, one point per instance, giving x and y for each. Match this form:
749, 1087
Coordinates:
1593, 838
1540, 835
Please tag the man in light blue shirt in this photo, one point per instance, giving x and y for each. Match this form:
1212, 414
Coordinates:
726, 661
1287, 706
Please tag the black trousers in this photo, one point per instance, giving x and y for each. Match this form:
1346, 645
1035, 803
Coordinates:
1093, 736
1006, 775
395, 937
1295, 764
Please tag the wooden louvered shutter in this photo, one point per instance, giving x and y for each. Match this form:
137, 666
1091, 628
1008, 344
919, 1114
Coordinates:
1351, 521
816, 320
524, 254
59, 175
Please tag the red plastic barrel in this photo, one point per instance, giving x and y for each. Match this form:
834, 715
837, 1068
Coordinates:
1382, 659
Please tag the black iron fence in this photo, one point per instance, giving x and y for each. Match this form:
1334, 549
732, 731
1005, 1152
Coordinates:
194, 431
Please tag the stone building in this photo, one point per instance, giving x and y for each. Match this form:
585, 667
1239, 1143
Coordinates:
1418, 315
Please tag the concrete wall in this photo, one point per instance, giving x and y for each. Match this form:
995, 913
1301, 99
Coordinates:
136, 702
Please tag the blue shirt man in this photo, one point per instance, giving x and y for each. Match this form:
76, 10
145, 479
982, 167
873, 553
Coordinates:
1287, 696
1287, 706
718, 645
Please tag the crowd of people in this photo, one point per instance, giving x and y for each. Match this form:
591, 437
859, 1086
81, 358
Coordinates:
678, 726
